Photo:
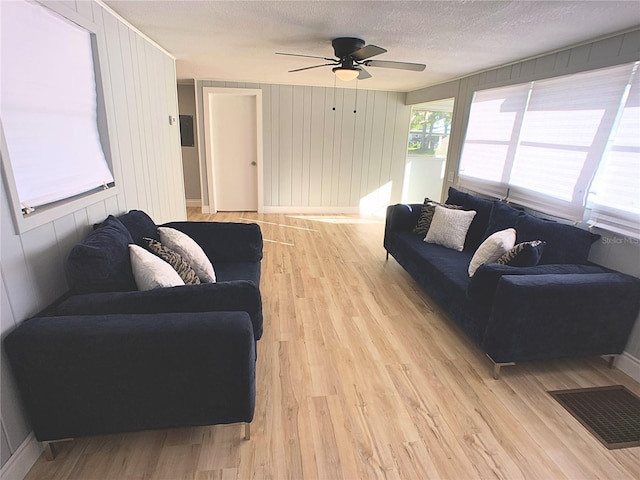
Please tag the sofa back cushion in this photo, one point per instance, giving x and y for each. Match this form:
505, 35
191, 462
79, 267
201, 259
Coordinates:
100, 263
564, 243
502, 216
140, 225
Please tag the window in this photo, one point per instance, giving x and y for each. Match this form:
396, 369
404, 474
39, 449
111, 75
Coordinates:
542, 143
49, 107
615, 195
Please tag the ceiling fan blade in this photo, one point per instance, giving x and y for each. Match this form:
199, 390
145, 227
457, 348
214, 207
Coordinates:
314, 66
306, 56
416, 67
363, 75
367, 51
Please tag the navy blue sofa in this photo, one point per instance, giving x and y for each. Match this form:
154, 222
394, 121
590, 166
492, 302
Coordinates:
562, 307
107, 358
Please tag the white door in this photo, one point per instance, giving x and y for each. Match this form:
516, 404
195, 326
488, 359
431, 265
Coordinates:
234, 147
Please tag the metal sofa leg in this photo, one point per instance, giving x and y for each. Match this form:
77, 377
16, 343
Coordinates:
497, 366
49, 450
247, 431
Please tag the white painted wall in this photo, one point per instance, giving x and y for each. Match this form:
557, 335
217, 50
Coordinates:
141, 81
320, 160
612, 250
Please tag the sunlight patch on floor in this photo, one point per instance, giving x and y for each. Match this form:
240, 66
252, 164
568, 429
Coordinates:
280, 243
278, 224
338, 219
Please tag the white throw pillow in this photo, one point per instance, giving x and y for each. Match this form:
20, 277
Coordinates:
150, 271
449, 227
493, 248
187, 247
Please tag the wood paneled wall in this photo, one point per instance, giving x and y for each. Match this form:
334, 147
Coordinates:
325, 160
140, 93
613, 251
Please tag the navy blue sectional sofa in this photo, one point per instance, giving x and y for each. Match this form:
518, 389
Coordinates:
561, 307
108, 358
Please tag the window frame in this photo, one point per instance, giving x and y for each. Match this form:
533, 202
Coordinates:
24, 222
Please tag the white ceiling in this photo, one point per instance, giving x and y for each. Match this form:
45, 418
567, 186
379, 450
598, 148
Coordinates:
237, 40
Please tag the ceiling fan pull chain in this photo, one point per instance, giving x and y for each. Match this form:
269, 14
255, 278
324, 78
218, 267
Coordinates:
334, 93
355, 105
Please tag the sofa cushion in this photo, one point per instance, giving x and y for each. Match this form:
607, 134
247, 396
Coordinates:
449, 227
478, 227
502, 216
456, 197
190, 251
150, 271
100, 263
140, 226
564, 243
525, 254
492, 249
173, 258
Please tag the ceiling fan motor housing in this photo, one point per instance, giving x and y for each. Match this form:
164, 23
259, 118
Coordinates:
345, 46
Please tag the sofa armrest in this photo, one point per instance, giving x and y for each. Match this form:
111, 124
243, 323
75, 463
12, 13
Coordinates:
402, 217
236, 295
224, 241
96, 374
482, 286
568, 315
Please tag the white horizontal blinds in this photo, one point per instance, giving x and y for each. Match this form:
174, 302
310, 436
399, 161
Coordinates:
491, 139
48, 105
564, 134
615, 195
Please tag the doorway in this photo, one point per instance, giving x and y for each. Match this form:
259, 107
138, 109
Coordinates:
233, 148
427, 150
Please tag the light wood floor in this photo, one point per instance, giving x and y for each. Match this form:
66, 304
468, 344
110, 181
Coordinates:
361, 376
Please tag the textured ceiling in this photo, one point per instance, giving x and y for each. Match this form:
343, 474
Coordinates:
237, 40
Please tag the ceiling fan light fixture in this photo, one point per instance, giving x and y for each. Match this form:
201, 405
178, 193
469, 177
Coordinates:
346, 74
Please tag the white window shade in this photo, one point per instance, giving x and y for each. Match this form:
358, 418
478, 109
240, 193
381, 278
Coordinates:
48, 106
491, 139
564, 134
542, 142
615, 196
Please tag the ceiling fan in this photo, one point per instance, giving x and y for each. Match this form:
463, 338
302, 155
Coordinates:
352, 55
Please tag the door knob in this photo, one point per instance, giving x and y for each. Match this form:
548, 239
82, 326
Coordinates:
253, 163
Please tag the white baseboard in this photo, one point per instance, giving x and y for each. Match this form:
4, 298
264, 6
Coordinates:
313, 210
22, 460
194, 202
629, 365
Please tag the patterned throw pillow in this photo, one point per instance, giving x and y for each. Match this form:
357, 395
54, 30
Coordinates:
525, 254
179, 264
426, 215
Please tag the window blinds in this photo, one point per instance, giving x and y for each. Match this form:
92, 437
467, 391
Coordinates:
48, 105
543, 141
615, 198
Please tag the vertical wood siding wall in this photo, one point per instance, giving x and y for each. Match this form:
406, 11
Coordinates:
612, 251
319, 159
141, 88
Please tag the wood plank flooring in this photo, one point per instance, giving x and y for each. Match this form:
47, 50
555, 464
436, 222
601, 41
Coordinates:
361, 376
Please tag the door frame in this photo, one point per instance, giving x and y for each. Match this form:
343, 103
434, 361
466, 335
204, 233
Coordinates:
208, 93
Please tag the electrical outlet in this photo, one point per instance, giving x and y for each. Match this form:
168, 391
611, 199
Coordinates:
172, 119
